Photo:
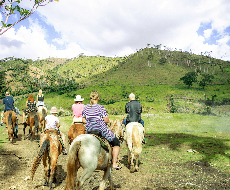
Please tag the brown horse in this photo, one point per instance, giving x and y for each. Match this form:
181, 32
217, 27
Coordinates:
10, 121
32, 120
75, 130
42, 114
50, 150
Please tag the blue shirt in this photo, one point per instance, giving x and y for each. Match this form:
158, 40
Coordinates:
9, 103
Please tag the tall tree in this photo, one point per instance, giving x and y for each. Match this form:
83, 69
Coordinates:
189, 78
206, 78
10, 7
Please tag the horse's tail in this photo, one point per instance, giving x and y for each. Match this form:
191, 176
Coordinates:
36, 121
45, 146
10, 119
72, 165
136, 140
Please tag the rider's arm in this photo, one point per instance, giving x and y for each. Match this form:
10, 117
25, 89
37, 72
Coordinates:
83, 120
106, 119
26, 103
58, 125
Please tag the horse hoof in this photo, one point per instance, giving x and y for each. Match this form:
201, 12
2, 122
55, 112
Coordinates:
132, 169
45, 183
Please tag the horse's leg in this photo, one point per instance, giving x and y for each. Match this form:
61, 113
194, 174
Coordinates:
136, 166
128, 152
31, 131
107, 173
9, 132
53, 167
24, 130
86, 174
132, 169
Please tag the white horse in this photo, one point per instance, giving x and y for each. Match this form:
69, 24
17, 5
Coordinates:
86, 152
42, 114
134, 135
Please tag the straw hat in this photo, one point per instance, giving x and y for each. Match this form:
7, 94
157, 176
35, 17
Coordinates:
53, 110
78, 98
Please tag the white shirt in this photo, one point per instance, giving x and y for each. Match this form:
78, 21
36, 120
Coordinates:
51, 122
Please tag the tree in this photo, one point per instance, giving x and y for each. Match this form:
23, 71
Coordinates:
206, 78
10, 7
189, 78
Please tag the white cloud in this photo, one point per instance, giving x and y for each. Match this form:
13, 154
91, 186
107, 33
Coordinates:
120, 27
207, 33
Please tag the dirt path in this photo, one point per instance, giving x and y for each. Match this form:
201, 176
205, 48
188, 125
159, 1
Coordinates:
16, 161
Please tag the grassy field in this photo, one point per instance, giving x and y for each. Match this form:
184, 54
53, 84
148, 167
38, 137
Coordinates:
179, 138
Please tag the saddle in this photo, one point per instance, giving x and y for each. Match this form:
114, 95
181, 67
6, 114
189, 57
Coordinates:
104, 143
77, 120
51, 131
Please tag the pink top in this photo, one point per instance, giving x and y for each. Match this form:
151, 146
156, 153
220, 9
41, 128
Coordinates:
77, 109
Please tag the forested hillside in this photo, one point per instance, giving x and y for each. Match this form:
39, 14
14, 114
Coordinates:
148, 66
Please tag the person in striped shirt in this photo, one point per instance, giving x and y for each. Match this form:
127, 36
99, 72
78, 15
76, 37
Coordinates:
95, 117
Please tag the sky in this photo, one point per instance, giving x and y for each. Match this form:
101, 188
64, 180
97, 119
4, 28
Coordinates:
67, 28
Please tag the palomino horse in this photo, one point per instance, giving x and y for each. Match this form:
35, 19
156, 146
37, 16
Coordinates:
86, 152
50, 150
75, 130
42, 114
10, 121
134, 135
117, 128
32, 120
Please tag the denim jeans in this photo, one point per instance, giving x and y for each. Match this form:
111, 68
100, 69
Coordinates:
124, 122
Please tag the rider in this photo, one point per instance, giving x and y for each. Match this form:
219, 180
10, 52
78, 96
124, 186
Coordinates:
40, 99
77, 109
16, 127
133, 109
30, 107
95, 117
9, 104
52, 122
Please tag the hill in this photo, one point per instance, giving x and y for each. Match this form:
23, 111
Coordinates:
145, 67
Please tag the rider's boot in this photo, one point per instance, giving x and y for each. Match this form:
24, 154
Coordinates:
16, 133
64, 151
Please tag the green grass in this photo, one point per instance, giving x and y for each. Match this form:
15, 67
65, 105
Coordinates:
3, 136
169, 136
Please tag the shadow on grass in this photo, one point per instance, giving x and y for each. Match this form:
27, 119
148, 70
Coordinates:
209, 147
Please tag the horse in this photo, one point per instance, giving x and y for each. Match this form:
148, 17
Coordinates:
117, 128
134, 135
50, 150
86, 152
42, 114
10, 121
32, 120
75, 130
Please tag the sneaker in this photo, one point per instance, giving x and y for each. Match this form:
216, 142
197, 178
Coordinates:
64, 151
143, 141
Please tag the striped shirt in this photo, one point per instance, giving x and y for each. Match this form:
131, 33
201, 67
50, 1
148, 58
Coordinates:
95, 122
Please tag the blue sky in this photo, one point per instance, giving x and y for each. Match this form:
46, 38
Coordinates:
67, 28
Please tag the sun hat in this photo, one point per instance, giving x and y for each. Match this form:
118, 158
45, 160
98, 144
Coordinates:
53, 110
78, 98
